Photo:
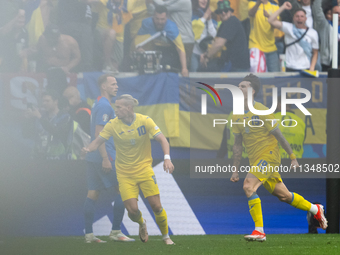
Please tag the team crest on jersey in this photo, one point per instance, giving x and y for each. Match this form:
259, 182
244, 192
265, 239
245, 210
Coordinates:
105, 117
133, 141
247, 129
129, 131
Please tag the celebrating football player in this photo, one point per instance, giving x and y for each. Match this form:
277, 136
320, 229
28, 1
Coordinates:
260, 139
130, 132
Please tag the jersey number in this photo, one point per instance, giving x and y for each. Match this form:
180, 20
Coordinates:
255, 121
262, 164
141, 130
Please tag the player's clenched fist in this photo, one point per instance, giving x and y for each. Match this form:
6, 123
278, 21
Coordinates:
294, 164
84, 150
235, 177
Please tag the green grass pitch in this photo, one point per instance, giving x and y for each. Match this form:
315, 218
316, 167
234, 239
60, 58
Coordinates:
328, 244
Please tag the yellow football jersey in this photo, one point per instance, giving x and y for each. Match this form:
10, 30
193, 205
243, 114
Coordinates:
133, 146
255, 130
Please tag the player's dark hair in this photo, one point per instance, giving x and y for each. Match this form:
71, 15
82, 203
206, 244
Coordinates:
161, 9
299, 10
254, 82
103, 78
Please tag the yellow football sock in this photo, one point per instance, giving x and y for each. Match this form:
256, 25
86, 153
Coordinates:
255, 210
300, 203
162, 221
139, 219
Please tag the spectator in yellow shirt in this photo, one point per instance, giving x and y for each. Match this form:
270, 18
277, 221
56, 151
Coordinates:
263, 51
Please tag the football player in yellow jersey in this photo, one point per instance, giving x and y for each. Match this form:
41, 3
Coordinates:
261, 139
130, 132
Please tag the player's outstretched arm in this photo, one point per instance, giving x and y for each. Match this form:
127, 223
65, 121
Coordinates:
168, 166
285, 145
93, 145
237, 155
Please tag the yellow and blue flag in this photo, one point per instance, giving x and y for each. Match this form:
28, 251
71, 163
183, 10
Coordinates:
148, 29
198, 26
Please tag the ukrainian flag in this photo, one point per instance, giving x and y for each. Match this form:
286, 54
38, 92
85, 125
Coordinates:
148, 29
158, 96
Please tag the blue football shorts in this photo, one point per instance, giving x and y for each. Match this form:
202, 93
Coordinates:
97, 179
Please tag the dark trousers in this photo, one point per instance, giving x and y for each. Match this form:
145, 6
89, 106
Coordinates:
188, 52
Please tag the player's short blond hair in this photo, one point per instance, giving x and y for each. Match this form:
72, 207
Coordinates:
129, 99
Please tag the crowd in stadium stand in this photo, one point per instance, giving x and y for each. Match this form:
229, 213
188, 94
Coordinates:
195, 35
